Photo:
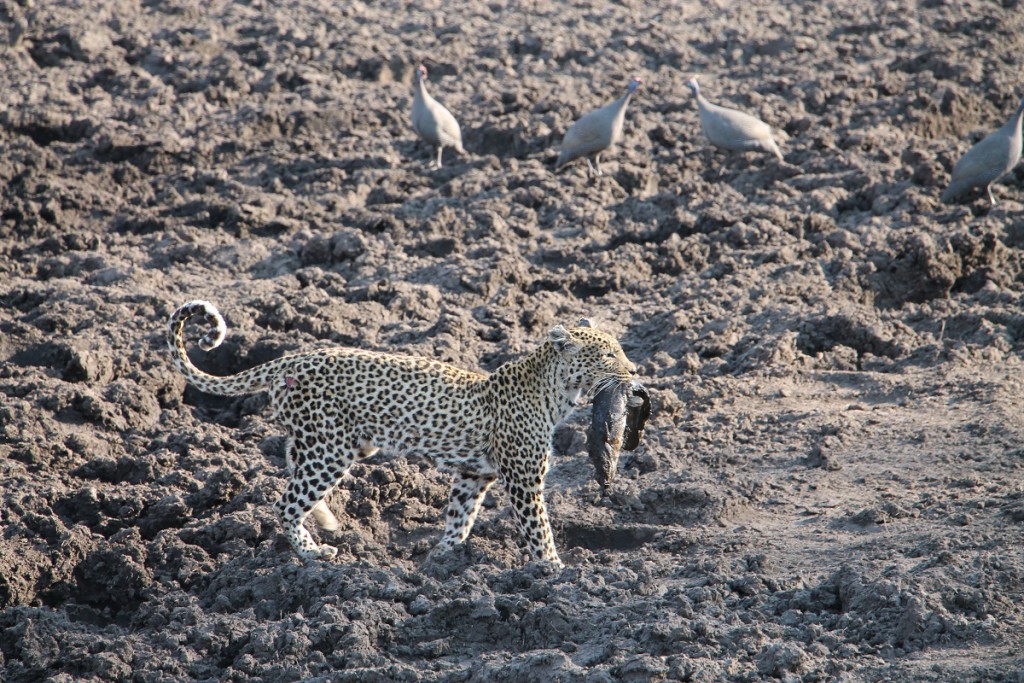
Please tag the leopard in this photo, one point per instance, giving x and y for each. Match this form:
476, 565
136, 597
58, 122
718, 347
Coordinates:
340, 405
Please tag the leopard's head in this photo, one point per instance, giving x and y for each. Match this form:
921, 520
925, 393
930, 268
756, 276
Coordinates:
590, 360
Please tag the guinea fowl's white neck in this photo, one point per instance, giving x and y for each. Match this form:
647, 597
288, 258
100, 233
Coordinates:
421, 86
1019, 116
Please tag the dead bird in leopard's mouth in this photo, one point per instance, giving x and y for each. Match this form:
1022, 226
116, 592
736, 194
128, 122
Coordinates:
620, 413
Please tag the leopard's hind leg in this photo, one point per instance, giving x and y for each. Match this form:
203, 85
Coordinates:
325, 519
313, 476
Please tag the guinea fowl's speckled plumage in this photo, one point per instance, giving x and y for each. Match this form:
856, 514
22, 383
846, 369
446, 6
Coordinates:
596, 132
432, 121
732, 129
989, 160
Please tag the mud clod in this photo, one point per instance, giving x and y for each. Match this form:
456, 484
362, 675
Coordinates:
828, 486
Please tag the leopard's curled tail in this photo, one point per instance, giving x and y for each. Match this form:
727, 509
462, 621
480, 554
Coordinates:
245, 382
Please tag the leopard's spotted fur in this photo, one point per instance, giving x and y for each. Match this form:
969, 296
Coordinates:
340, 405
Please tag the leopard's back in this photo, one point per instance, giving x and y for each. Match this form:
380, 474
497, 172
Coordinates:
386, 401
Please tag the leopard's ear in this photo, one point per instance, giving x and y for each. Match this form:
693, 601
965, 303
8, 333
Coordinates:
560, 339
558, 335
584, 322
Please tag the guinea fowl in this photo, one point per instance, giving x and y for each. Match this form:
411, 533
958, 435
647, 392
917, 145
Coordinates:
431, 120
596, 132
732, 129
988, 161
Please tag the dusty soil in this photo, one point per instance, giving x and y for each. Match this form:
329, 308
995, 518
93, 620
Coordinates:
829, 488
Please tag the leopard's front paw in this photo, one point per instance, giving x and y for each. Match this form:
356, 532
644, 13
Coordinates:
556, 565
445, 550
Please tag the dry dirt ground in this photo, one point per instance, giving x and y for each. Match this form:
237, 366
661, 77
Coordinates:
830, 487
